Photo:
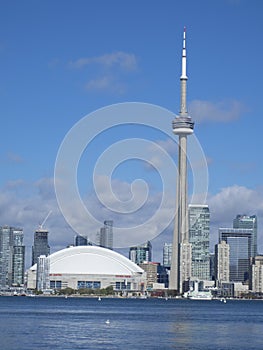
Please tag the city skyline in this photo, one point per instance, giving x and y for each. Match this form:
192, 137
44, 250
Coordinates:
55, 74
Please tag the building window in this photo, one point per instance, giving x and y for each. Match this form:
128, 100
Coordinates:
89, 284
123, 285
55, 284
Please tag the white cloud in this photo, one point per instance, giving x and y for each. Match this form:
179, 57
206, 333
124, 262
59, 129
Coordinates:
112, 68
105, 83
123, 60
155, 157
26, 205
222, 111
14, 158
231, 201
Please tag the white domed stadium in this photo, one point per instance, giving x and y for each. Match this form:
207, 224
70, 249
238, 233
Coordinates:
90, 267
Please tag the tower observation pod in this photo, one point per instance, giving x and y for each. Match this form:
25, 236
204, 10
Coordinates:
181, 249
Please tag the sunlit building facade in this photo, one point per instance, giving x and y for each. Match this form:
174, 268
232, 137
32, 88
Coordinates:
105, 236
222, 251
12, 257
89, 267
141, 253
199, 229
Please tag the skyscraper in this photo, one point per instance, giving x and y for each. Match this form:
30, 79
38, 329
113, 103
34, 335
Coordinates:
5, 254
141, 253
248, 222
181, 252
41, 246
18, 258
105, 238
256, 274
240, 243
80, 240
199, 228
167, 254
12, 257
43, 269
222, 262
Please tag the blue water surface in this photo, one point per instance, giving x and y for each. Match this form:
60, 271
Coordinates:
87, 323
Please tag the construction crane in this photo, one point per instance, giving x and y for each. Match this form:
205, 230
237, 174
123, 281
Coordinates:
41, 225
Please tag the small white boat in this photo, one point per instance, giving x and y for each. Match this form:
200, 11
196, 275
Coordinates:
107, 322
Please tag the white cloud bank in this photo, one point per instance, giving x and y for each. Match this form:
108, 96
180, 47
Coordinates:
231, 201
222, 111
26, 205
109, 70
125, 61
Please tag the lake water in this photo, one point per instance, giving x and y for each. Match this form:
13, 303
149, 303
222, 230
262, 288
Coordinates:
80, 323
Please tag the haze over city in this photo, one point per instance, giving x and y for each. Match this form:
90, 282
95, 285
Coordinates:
63, 60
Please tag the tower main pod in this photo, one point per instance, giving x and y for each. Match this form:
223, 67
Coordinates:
181, 250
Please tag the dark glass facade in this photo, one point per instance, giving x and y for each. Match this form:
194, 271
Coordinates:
40, 246
240, 243
248, 222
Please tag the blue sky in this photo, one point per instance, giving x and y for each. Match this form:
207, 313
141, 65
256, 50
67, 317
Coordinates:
62, 60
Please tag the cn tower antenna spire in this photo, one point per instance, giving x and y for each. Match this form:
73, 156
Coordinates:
184, 76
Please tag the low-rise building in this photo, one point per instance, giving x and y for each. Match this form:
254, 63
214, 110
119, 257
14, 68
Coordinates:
90, 267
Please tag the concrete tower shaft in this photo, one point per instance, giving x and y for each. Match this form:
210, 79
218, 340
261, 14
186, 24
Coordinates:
181, 249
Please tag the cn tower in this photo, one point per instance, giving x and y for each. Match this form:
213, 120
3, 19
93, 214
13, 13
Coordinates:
181, 248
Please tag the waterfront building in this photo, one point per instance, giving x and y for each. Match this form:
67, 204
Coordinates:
199, 229
181, 252
141, 253
163, 275
105, 237
12, 257
90, 267
240, 251
151, 272
212, 266
18, 258
167, 254
41, 246
222, 251
5, 254
256, 274
248, 222
42, 275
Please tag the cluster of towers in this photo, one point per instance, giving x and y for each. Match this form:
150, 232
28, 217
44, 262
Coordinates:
188, 257
190, 251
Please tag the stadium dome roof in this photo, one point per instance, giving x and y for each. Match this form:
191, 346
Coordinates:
91, 260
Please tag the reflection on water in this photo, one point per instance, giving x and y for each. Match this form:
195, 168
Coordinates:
80, 323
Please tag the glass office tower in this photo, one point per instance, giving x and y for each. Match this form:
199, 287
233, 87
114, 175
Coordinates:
240, 244
40, 246
80, 240
105, 238
199, 228
141, 253
167, 254
248, 222
12, 257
